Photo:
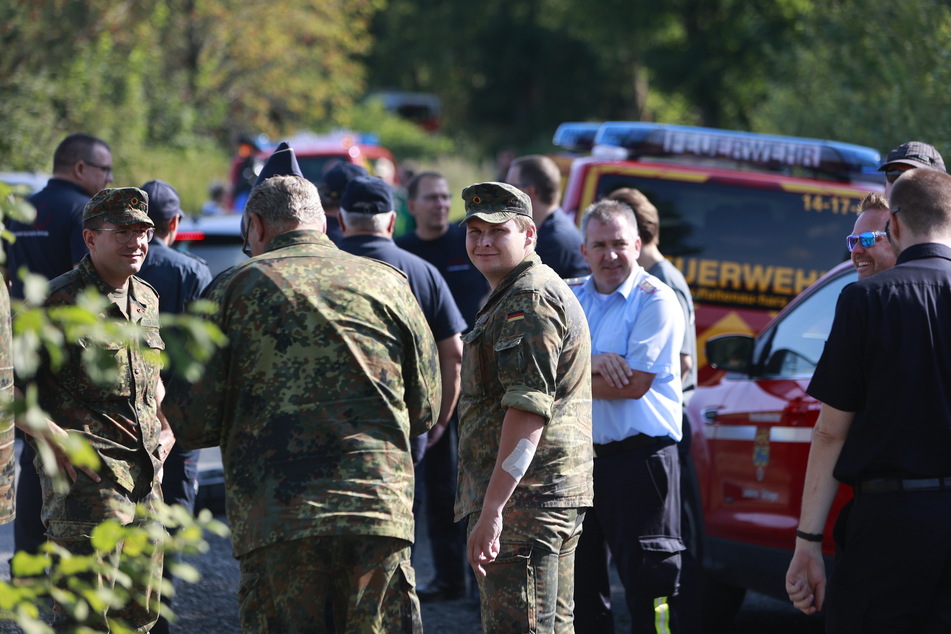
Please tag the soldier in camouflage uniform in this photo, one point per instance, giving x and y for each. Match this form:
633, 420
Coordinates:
7, 462
525, 455
330, 369
118, 416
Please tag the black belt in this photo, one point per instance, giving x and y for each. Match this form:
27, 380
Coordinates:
890, 485
628, 444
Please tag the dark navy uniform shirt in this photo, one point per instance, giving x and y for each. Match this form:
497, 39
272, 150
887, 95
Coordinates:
427, 284
559, 246
53, 244
888, 359
179, 278
448, 254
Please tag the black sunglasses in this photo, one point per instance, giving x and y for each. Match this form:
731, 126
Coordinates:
892, 175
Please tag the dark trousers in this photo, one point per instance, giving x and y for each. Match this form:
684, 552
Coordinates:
179, 486
436, 476
28, 530
636, 518
893, 565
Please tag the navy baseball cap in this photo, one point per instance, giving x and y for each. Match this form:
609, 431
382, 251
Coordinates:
334, 182
367, 195
164, 203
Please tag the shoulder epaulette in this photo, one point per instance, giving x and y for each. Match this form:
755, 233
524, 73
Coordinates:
647, 287
577, 281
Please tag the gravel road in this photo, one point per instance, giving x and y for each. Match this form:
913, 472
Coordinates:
211, 606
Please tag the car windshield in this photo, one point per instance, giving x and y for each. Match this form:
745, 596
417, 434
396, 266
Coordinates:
742, 245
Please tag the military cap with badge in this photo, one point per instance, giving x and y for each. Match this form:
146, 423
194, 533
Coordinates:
495, 202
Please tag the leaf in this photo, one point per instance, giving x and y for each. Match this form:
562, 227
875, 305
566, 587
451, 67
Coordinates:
107, 536
26, 565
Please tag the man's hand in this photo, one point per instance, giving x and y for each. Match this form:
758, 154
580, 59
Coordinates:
613, 367
806, 578
483, 545
56, 438
434, 434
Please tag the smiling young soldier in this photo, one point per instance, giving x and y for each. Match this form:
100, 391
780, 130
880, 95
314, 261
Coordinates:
524, 422
119, 418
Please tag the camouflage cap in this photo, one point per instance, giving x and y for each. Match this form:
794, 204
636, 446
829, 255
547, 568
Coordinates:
120, 206
495, 202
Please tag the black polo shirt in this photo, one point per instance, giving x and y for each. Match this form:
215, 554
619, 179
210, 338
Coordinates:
448, 254
888, 359
559, 245
427, 284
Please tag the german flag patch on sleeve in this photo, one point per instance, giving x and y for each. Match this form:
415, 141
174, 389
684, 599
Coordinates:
515, 316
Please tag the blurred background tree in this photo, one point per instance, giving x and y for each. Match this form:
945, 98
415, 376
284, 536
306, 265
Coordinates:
171, 83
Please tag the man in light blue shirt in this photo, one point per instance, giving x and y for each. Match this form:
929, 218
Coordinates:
637, 328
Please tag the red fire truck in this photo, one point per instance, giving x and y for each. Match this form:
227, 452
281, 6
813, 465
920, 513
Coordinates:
751, 221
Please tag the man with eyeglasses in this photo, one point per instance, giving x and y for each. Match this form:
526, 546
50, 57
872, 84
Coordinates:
868, 245
884, 428
50, 246
909, 156
118, 416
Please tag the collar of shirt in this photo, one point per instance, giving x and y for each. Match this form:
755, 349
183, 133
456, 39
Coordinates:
624, 289
92, 278
924, 250
299, 236
531, 260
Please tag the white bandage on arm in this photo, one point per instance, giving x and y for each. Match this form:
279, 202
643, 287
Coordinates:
517, 463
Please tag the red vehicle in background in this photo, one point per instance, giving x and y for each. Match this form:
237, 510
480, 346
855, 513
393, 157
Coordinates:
316, 154
753, 222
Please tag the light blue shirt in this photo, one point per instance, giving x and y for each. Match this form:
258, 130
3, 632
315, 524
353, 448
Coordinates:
642, 321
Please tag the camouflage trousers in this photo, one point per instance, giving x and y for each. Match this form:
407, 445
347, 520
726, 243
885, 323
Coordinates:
369, 580
530, 587
70, 519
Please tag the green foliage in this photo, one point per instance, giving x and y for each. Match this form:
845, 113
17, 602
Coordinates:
123, 553
852, 79
403, 138
122, 558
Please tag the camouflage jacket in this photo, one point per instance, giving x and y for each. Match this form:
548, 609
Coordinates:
529, 349
117, 417
330, 368
7, 466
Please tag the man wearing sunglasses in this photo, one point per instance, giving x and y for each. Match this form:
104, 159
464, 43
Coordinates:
909, 156
868, 245
884, 428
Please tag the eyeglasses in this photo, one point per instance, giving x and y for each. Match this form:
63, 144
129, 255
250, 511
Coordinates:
246, 246
123, 236
892, 175
866, 239
105, 168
